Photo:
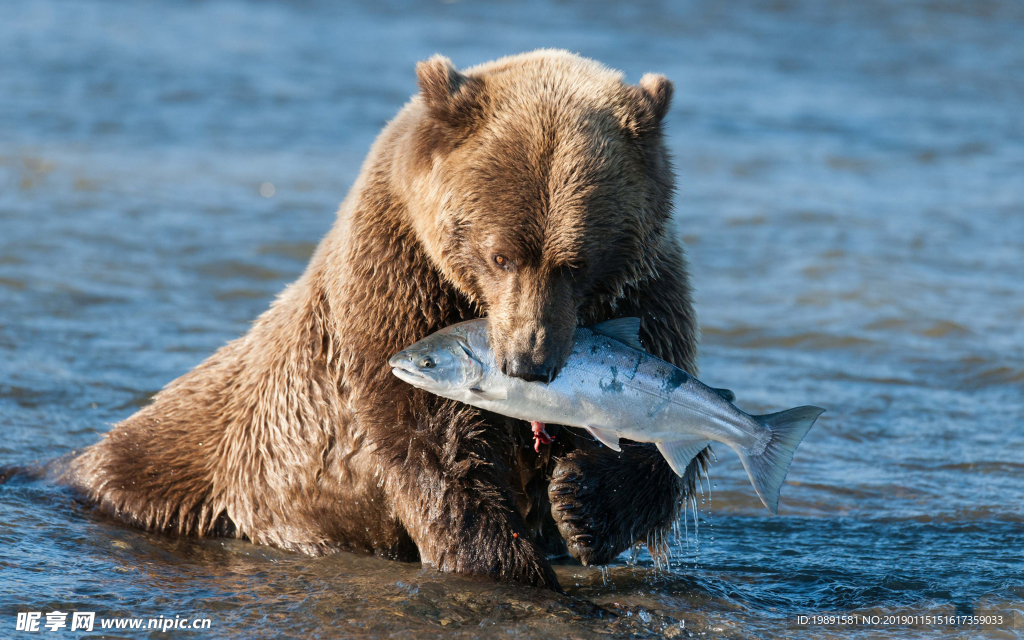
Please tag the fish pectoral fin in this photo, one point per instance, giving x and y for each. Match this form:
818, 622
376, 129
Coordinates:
605, 437
490, 394
679, 453
625, 330
726, 394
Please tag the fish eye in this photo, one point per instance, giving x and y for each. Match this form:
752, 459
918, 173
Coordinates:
426, 362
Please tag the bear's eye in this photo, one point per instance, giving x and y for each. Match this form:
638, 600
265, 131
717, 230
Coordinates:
502, 261
574, 270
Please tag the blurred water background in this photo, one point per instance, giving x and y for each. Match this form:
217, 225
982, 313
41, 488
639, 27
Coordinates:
851, 195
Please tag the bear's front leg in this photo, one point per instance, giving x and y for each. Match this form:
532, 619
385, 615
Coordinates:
448, 485
604, 502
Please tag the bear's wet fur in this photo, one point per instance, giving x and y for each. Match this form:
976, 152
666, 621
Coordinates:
535, 190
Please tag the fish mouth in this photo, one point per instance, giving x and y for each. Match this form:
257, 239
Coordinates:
414, 376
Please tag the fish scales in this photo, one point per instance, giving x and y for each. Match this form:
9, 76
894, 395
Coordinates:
652, 396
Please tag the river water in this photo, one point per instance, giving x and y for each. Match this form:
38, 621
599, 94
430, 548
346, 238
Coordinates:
850, 195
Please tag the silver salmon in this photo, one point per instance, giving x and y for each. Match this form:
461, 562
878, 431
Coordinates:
613, 389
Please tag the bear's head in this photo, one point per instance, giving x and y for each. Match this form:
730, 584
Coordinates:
543, 191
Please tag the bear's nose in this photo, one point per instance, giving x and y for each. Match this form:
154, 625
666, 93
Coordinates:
536, 373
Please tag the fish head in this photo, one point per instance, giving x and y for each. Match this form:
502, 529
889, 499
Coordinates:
441, 363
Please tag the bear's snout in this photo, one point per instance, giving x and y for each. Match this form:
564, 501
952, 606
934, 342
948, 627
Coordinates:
536, 354
533, 325
529, 371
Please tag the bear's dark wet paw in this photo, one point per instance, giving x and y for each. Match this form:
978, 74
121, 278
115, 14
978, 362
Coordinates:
581, 513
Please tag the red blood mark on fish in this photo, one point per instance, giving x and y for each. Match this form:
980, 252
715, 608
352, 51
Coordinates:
540, 436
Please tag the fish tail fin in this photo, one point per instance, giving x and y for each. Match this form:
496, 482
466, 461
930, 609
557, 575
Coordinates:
767, 470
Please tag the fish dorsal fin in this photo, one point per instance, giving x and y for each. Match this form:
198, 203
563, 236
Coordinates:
726, 394
680, 452
608, 438
625, 330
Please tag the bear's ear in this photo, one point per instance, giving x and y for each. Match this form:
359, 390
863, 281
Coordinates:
450, 96
657, 91
651, 101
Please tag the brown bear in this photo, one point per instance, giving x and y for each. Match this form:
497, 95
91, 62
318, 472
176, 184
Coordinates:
534, 190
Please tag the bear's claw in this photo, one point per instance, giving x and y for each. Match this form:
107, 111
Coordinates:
570, 497
604, 502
